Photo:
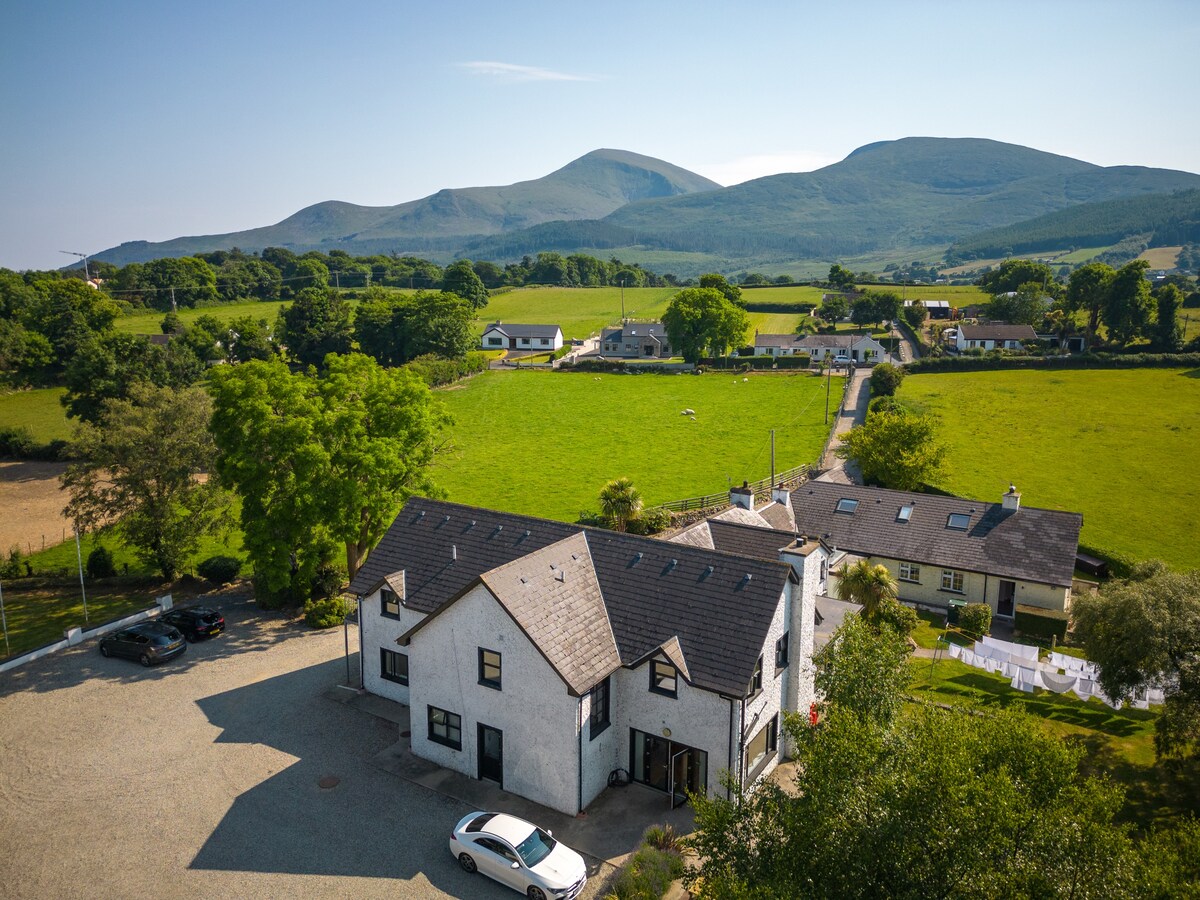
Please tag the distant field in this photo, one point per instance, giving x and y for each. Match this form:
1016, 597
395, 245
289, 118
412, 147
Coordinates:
1116, 446
39, 411
1161, 257
578, 311
1076, 257
1189, 321
545, 443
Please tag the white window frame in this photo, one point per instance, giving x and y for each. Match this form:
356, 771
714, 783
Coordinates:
951, 578
910, 572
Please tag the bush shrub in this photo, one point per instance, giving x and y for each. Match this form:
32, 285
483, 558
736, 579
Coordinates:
647, 875
662, 837
975, 618
963, 363
220, 569
439, 370
18, 442
1043, 623
11, 567
324, 613
649, 521
885, 380
900, 618
100, 564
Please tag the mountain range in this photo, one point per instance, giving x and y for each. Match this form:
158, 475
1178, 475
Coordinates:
912, 194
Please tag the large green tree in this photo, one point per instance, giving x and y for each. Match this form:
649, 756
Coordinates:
620, 502
395, 328
316, 324
1166, 335
700, 320
460, 278
1012, 273
110, 366
864, 670
718, 282
1144, 631
1087, 291
140, 475
1027, 305
1128, 306
896, 449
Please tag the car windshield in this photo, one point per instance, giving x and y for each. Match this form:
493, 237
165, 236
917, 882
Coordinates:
536, 847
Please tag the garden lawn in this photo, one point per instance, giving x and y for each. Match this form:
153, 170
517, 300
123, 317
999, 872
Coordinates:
1119, 743
1115, 445
545, 443
39, 410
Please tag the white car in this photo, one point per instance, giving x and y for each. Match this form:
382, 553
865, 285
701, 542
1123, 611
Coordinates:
519, 854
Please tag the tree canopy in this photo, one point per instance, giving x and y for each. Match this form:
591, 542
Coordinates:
1012, 273
395, 328
717, 282
1027, 305
896, 449
700, 320
316, 324
620, 501
460, 278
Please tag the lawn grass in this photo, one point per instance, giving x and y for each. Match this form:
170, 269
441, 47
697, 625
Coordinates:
931, 629
150, 321
545, 443
38, 410
1119, 744
1111, 444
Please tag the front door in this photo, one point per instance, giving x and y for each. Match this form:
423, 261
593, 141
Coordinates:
491, 754
1008, 593
667, 765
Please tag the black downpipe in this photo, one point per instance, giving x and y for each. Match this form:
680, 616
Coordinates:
579, 716
730, 765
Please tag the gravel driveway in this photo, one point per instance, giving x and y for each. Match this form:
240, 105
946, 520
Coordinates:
200, 778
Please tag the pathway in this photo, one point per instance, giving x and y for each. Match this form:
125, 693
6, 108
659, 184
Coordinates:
854, 412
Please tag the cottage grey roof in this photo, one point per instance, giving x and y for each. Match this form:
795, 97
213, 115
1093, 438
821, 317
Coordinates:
778, 516
826, 340
748, 540
718, 606
1030, 544
635, 330
998, 331
776, 340
743, 515
523, 331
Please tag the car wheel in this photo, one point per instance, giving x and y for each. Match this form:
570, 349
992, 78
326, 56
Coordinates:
145, 660
536, 893
468, 864
104, 650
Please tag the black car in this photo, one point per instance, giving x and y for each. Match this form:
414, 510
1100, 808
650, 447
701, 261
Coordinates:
195, 622
147, 642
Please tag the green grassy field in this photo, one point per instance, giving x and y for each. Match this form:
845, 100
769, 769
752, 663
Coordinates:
39, 411
150, 321
545, 443
577, 311
1117, 446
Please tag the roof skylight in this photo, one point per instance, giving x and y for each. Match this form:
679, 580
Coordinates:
846, 505
958, 521
905, 513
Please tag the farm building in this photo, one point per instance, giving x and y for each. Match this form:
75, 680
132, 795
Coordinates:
939, 549
994, 336
543, 656
937, 309
636, 340
499, 336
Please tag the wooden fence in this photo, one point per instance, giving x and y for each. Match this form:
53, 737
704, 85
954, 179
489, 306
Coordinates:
761, 488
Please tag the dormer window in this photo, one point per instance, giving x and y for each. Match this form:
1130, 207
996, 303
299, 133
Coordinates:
846, 505
663, 678
958, 521
905, 513
756, 680
389, 603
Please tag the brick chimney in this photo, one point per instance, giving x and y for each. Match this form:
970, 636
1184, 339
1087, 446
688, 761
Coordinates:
742, 496
1012, 499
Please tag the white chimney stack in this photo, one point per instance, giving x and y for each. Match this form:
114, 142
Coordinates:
782, 496
742, 496
1012, 499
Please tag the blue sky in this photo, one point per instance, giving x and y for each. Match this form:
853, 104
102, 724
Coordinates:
147, 121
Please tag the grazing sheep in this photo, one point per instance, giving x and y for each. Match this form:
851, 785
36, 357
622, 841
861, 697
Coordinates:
745, 379
688, 412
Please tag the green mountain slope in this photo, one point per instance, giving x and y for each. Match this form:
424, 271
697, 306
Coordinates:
591, 187
1167, 220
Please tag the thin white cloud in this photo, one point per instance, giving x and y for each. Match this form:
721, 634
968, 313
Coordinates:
746, 168
514, 72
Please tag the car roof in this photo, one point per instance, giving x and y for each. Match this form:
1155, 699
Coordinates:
508, 828
192, 610
152, 628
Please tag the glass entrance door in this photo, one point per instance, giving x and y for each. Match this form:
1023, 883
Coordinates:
666, 765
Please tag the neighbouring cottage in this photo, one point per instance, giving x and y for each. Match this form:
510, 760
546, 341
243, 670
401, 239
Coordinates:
861, 348
500, 336
993, 336
636, 340
543, 656
778, 344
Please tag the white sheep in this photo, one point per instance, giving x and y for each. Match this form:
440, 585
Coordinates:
688, 412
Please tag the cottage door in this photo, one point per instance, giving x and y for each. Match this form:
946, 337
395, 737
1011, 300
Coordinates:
1008, 593
491, 754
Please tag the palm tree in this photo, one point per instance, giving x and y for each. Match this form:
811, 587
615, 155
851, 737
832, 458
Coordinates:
620, 501
866, 585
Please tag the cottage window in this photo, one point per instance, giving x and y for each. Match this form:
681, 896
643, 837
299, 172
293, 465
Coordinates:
781, 653
910, 572
952, 581
846, 505
762, 745
445, 728
598, 719
756, 680
663, 678
958, 521
489, 668
495, 342
393, 666
905, 513
389, 604
545, 341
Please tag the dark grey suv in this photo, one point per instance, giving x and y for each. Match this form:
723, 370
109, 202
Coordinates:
147, 642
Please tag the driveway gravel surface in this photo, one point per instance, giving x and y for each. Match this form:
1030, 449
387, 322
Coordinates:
203, 777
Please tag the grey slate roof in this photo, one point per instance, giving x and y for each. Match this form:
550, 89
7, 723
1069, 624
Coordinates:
719, 606
998, 331
778, 516
1029, 544
826, 340
776, 340
747, 540
635, 330
523, 331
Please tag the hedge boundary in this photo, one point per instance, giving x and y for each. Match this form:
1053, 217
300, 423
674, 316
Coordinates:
1077, 361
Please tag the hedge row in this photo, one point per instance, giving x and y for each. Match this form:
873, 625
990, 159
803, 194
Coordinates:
19, 443
438, 370
1044, 623
1077, 361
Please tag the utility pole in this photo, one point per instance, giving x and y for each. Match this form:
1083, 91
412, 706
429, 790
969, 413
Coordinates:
174, 308
772, 459
82, 589
828, 381
622, 300
4, 622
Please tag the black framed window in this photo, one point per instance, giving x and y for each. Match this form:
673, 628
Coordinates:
756, 679
389, 603
489, 668
663, 678
781, 652
445, 728
598, 719
773, 735
393, 666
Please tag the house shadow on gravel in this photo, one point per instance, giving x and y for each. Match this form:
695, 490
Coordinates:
327, 811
